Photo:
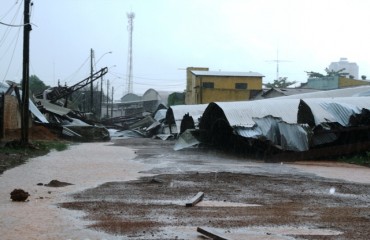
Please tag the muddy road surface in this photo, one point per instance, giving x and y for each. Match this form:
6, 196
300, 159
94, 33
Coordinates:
243, 199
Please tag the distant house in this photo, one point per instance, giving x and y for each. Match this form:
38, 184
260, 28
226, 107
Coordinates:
217, 86
333, 82
281, 92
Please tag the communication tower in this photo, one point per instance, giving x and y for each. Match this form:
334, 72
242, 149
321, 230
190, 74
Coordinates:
130, 28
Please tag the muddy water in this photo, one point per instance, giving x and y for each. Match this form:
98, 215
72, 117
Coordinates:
85, 166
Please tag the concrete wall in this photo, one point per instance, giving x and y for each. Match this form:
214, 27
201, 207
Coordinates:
223, 95
325, 83
189, 95
12, 115
335, 82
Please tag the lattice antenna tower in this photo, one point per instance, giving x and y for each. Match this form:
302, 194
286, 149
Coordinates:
130, 28
278, 61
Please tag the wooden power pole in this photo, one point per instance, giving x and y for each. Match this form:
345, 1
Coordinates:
91, 84
25, 74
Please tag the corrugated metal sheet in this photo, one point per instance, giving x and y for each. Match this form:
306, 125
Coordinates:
294, 137
339, 110
195, 111
36, 112
345, 92
242, 113
160, 115
61, 111
254, 132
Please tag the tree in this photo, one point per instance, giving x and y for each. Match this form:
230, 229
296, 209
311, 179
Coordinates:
282, 82
329, 73
36, 85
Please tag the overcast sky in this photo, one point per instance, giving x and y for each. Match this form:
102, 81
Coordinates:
170, 35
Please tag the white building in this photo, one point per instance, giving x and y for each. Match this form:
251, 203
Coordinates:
351, 68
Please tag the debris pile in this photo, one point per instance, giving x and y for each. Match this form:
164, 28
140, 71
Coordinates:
57, 183
19, 195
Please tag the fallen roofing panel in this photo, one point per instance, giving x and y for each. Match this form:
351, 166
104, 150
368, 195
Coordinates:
50, 107
294, 137
35, 111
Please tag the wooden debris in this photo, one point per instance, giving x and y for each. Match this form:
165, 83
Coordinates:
197, 198
213, 235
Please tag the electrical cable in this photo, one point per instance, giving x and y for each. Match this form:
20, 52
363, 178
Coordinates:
2, 40
11, 8
11, 59
75, 73
12, 25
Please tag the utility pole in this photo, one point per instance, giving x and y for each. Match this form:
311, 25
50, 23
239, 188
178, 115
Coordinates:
107, 98
25, 74
111, 113
101, 97
91, 84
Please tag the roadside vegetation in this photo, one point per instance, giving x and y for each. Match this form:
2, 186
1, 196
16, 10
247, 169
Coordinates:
12, 154
359, 159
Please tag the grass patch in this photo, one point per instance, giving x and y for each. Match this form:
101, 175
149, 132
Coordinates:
362, 159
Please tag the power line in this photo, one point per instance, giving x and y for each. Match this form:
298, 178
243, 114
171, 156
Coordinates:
11, 8
12, 22
11, 59
12, 25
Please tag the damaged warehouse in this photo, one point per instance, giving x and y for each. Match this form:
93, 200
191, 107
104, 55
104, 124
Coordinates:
281, 125
305, 126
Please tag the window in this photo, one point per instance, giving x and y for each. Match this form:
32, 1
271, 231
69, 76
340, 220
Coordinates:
208, 85
241, 85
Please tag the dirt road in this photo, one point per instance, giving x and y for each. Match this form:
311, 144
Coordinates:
243, 199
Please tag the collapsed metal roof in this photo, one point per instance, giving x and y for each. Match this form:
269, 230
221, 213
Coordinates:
241, 114
287, 124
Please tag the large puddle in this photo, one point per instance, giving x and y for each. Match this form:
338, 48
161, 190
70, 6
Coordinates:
85, 166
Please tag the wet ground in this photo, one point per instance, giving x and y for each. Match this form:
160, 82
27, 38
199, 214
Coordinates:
122, 196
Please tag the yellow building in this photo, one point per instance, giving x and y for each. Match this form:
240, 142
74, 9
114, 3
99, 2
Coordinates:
216, 86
